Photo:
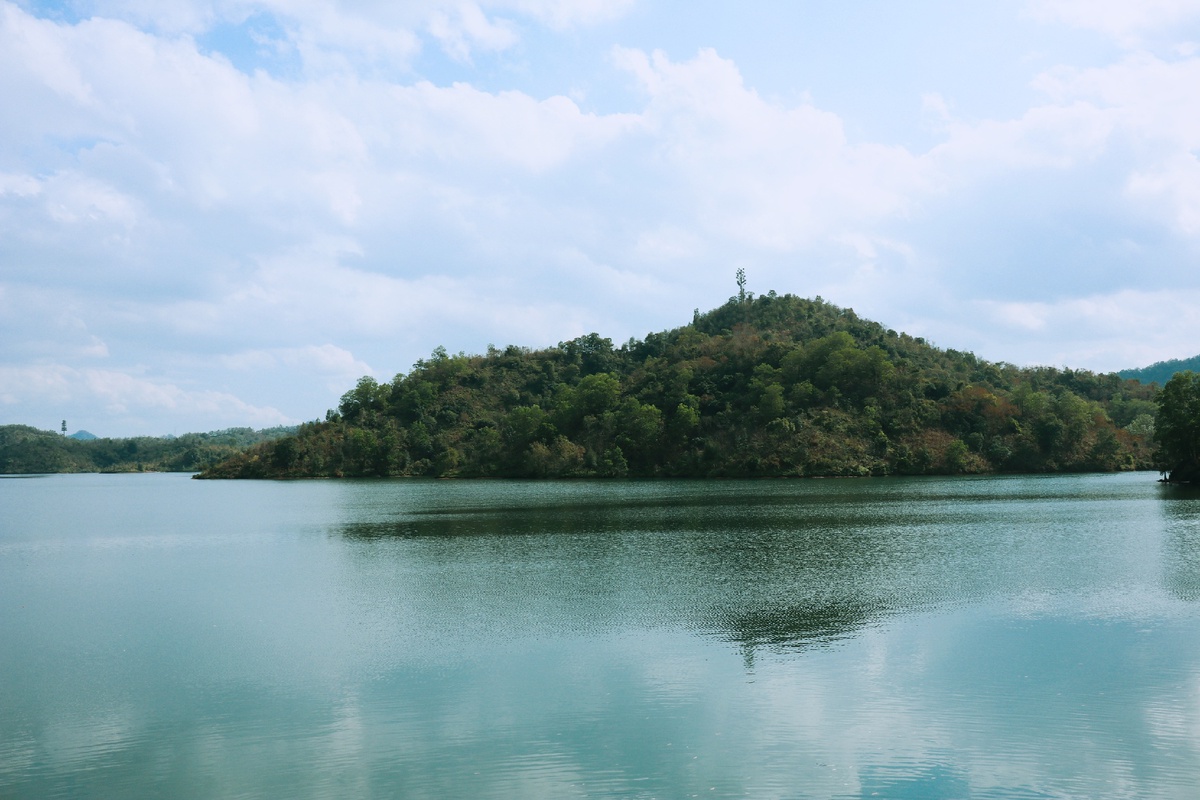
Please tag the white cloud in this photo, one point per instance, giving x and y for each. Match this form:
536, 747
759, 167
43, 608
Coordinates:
386, 32
72, 198
193, 136
1175, 183
1125, 22
124, 394
179, 16
1049, 136
18, 384
668, 243
343, 37
1152, 98
1096, 329
42, 323
28, 42
95, 348
459, 124
1154, 105
294, 296
336, 367
465, 28
562, 14
331, 39
763, 173
327, 358
19, 185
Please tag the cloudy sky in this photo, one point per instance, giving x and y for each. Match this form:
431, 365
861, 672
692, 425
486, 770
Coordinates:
220, 213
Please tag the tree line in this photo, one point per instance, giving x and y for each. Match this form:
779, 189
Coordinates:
28, 450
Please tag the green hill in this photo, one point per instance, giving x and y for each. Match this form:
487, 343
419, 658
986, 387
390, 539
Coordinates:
767, 386
1162, 371
27, 450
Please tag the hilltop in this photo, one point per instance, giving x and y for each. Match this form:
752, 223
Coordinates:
766, 386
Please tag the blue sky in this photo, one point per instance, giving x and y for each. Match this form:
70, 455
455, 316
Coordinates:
220, 213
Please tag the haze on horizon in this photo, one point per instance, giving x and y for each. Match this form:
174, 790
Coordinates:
220, 213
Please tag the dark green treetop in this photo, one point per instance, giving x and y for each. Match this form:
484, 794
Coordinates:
1177, 429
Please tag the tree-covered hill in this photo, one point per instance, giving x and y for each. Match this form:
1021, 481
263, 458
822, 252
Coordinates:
1160, 372
767, 386
27, 450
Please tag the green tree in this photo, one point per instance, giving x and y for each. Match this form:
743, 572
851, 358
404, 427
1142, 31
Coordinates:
1177, 429
367, 395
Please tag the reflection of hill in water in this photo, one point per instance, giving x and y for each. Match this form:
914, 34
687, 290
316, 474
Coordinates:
757, 587
764, 564
1181, 545
792, 627
758, 574
653, 515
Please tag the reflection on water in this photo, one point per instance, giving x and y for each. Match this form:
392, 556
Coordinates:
925, 638
793, 626
1180, 507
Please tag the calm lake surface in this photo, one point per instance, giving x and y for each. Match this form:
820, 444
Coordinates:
1001, 637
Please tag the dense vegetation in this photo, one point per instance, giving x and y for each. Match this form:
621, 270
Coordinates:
1178, 428
767, 386
28, 450
1160, 372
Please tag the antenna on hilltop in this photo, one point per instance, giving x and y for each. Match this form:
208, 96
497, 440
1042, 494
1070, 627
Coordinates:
64, 428
741, 282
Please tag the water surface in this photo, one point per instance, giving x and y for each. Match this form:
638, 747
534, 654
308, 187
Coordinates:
1026, 637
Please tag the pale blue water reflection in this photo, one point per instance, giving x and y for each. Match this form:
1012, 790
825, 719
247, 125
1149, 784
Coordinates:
918, 638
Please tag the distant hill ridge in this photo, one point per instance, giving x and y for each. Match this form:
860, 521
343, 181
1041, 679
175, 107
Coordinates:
1162, 371
761, 386
28, 450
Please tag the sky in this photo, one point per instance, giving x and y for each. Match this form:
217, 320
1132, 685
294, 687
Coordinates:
222, 213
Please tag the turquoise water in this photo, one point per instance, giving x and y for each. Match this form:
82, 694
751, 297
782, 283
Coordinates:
1012, 637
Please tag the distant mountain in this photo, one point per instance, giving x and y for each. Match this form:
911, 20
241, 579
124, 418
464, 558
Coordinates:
1161, 372
83, 436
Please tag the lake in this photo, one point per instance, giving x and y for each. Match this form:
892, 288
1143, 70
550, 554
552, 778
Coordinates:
997, 637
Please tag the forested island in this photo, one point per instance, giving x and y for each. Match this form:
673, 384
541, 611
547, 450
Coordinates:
27, 450
762, 386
